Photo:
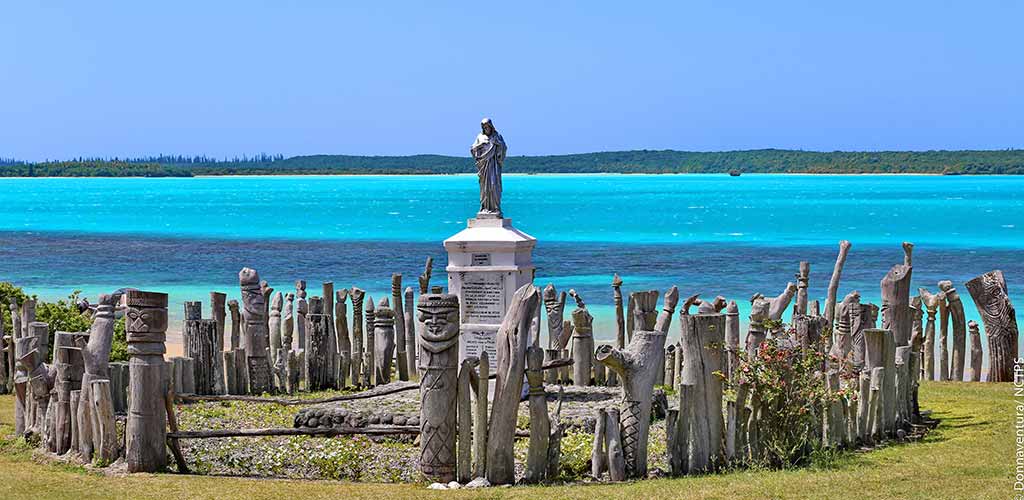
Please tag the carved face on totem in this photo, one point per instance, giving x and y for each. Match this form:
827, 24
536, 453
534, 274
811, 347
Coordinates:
947, 287
146, 313
759, 310
439, 314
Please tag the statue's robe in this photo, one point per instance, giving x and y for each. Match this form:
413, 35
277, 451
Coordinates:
489, 153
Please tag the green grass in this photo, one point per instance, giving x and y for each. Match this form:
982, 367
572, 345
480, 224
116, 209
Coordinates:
969, 455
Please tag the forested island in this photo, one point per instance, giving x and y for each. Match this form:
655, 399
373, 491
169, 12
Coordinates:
1009, 161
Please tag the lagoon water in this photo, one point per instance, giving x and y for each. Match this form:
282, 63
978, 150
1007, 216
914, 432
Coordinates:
712, 234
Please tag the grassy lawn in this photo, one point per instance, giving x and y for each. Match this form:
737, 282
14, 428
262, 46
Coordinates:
970, 455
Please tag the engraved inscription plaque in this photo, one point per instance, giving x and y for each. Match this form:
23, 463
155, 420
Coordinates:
475, 341
481, 259
483, 298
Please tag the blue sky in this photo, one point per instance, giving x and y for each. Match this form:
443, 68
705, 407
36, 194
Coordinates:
224, 78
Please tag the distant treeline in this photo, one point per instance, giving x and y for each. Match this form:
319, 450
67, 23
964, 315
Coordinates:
1010, 161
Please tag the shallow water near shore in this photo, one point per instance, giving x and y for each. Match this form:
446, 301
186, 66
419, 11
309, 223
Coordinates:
712, 234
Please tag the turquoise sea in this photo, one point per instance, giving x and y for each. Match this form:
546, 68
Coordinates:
712, 234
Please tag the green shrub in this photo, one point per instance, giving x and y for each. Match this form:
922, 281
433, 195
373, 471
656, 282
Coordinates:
119, 346
63, 316
787, 379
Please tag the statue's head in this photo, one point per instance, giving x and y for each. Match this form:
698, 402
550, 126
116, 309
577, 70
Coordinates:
146, 313
248, 278
439, 313
487, 127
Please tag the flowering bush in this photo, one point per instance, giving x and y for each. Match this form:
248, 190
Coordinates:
786, 380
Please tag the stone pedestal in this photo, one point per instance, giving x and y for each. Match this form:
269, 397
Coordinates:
487, 262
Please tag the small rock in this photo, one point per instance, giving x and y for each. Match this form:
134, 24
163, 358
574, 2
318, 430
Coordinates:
400, 420
480, 482
437, 486
454, 485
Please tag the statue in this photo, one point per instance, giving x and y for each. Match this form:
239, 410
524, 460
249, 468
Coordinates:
489, 152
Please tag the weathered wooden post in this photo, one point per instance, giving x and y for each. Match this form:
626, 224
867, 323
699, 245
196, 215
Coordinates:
200, 339
344, 341
670, 365
96, 359
931, 304
620, 324
732, 340
409, 318
384, 340
903, 387
465, 419
833, 284
69, 367
145, 433
401, 358
369, 360
357, 336
616, 455
636, 366
256, 335
318, 352
974, 375
959, 323
218, 311
997, 313
895, 286
540, 425
756, 332
875, 425
439, 341
274, 324
554, 306
20, 377
327, 288
6, 353
480, 417
582, 342
512, 339
703, 336
599, 449
236, 325
843, 343
40, 380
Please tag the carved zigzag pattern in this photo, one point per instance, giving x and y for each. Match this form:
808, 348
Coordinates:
630, 434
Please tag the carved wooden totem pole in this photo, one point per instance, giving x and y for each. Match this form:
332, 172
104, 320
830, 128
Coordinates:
582, 342
958, 321
357, 296
256, 335
1000, 318
384, 340
344, 340
146, 430
931, 305
439, 343
401, 356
